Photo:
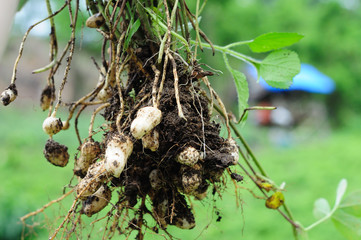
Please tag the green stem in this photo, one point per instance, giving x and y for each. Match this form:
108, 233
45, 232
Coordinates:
198, 38
228, 51
91, 5
162, 25
254, 108
225, 49
147, 26
101, 9
321, 220
47, 67
245, 144
202, 7
289, 216
238, 43
185, 25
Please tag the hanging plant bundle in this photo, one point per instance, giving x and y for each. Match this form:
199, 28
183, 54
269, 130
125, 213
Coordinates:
159, 147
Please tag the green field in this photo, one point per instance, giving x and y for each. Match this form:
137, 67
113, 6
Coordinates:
311, 169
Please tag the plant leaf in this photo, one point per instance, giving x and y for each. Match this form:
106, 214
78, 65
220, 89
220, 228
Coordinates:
352, 204
341, 189
133, 29
279, 68
272, 41
348, 225
321, 208
21, 4
242, 90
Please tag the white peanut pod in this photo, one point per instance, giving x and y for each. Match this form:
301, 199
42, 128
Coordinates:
89, 152
118, 150
104, 94
98, 201
191, 181
233, 150
161, 212
147, 118
46, 97
92, 181
151, 140
9, 95
155, 179
95, 21
199, 195
66, 125
189, 156
185, 223
52, 125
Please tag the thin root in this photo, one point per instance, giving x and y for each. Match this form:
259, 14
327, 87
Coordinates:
176, 87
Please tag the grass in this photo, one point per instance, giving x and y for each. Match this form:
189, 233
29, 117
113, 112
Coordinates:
311, 169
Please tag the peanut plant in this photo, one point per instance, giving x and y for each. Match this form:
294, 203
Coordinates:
160, 147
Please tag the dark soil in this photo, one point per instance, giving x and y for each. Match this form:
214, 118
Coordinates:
175, 134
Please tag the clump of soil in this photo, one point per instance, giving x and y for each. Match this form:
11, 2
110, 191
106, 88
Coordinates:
160, 174
56, 153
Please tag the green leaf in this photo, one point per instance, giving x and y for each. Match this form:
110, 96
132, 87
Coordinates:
279, 68
352, 204
341, 189
21, 4
348, 225
272, 41
133, 29
321, 208
242, 90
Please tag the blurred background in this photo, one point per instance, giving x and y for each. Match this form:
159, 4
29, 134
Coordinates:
310, 142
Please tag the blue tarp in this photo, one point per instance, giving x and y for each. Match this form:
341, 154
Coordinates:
309, 80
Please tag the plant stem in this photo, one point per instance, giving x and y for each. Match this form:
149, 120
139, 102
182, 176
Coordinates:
245, 144
320, 220
225, 49
289, 216
228, 51
238, 43
165, 28
254, 108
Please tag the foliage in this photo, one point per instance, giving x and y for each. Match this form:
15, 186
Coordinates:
331, 41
